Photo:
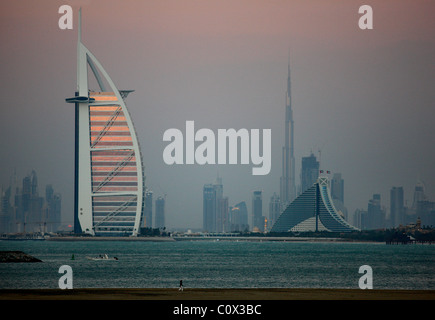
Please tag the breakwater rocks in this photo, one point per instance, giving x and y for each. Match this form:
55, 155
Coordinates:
16, 256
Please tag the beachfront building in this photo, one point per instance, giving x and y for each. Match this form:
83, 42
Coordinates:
313, 210
109, 179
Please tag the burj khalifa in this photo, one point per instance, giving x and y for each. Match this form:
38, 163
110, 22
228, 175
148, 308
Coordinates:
288, 188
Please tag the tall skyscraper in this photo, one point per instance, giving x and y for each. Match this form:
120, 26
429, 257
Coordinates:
6, 216
160, 212
222, 215
337, 194
220, 206
375, 213
239, 217
287, 187
215, 208
309, 172
257, 211
109, 179
53, 209
208, 208
419, 194
32, 204
275, 209
148, 210
337, 187
397, 210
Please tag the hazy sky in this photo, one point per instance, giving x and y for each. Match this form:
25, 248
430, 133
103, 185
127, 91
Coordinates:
365, 98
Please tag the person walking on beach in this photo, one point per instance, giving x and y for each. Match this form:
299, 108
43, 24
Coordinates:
181, 286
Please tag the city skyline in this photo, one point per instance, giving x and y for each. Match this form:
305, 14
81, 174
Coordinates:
363, 98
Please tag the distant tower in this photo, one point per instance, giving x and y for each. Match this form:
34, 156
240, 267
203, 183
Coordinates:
375, 214
396, 206
209, 208
160, 212
257, 211
310, 172
337, 187
274, 209
219, 206
239, 217
288, 189
337, 194
148, 210
418, 194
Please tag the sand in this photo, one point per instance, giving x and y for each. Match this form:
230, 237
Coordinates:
214, 294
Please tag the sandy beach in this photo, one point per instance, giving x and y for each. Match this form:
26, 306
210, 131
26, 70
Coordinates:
214, 294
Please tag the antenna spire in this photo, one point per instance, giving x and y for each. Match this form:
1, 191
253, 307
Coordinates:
80, 26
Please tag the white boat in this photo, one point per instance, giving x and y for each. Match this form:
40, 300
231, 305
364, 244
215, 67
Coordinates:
103, 257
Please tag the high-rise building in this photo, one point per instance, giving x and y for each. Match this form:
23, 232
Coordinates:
287, 182
375, 213
337, 194
53, 209
6, 216
426, 212
160, 213
275, 209
148, 210
109, 179
209, 208
239, 217
360, 219
337, 187
215, 208
222, 215
257, 211
309, 172
397, 209
419, 194
221, 206
32, 204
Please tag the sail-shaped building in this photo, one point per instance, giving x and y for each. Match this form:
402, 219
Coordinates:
109, 178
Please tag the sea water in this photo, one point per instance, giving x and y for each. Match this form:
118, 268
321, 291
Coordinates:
220, 264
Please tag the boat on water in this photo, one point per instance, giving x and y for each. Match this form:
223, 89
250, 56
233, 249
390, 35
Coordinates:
103, 257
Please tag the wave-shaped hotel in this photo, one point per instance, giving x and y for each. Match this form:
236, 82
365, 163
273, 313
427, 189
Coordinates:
313, 210
109, 179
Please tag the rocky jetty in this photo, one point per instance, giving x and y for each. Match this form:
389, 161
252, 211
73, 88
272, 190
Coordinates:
16, 256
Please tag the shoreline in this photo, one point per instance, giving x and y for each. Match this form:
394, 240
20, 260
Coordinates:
214, 294
207, 238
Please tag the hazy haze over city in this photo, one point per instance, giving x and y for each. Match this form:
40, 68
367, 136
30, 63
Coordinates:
365, 98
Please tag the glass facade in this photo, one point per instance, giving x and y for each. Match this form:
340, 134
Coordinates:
114, 166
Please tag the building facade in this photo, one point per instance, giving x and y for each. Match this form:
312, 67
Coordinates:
109, 179
148, 210
257, 211
160, 213
208, 208
239, 217
216, 212
313, 210
397, 209
275, 209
